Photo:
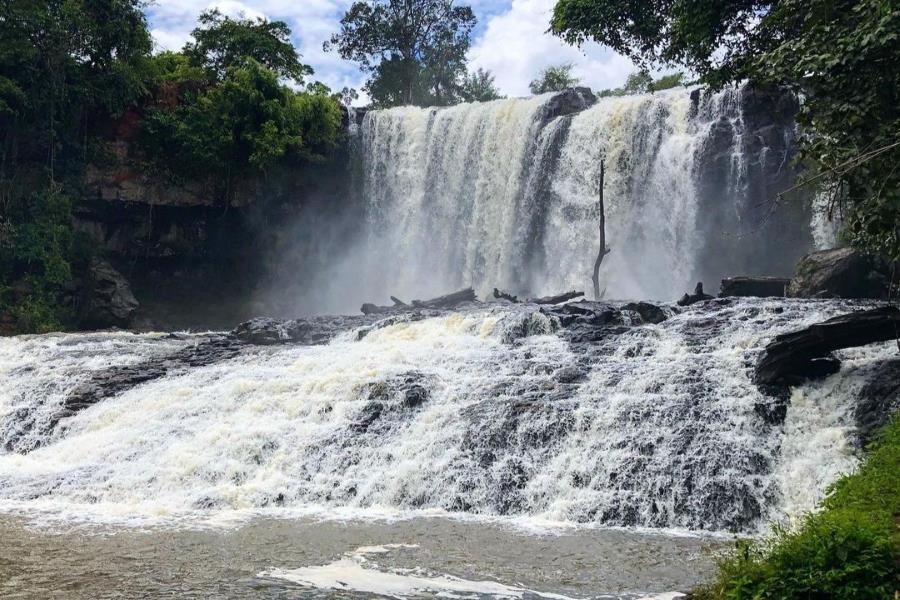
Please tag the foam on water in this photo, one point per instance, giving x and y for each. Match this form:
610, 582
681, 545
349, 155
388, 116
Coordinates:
457, 414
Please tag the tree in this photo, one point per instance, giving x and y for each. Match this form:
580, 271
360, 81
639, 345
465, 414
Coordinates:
554, 79
604, 249
414, 52
839, 55
221, 42
479, 86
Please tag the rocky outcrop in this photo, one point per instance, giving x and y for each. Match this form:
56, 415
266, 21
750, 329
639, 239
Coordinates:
794, 357
878, 399
106, 297
840, 273
567, 102
762, 287
649, 313
698, 296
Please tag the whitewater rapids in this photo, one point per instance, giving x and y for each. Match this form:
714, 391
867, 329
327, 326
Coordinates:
490, 413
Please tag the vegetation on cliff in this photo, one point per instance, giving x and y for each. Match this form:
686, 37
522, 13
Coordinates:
849, 550
838, 55
70, 70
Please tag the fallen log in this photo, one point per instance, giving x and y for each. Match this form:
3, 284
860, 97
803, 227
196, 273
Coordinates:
794, 357
504, 296
564, 297
446, 301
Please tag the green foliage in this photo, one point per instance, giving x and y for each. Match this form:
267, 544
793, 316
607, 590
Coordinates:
412, 56
641, 83
35, 268
848, 551
221, 43
839, 55
479, 86
554, 79
243, 126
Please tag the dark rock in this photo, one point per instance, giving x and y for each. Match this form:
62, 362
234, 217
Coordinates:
792, 358
570, 375
697, 296
106, 298
567, 102
878, 399
762, 287
264, 331
840, 273
649, 313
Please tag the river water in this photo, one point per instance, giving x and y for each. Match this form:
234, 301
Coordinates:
310, 558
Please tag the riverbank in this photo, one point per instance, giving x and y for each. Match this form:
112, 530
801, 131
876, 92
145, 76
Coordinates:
850, 549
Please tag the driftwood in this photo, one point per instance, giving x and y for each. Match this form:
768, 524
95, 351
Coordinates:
504, 296
604, 249
565, 297
793, 357
446, 301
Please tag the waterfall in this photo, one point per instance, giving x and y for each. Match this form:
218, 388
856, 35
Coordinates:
504, 194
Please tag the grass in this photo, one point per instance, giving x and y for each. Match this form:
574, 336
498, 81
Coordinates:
848, 550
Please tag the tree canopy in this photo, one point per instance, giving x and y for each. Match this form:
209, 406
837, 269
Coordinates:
413, 52
221, 42
70, 68
839, 55
554, 79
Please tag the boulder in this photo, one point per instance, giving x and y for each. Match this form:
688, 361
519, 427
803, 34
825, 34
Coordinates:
878, 399
761, 287
794, 357
840, 273
106, 298
649, 313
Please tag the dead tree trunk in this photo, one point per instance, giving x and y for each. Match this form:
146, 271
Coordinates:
604, 249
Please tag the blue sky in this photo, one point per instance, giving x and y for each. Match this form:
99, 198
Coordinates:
510, 40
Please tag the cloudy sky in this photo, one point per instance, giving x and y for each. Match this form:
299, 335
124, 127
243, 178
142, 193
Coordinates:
510, 40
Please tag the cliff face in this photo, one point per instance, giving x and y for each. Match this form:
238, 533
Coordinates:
195, 256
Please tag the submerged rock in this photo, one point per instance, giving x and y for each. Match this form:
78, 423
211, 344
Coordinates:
840, 273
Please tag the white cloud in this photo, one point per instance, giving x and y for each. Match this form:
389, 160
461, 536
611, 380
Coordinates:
515, 46
511, 39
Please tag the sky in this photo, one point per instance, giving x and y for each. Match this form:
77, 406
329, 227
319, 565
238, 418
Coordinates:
510, 39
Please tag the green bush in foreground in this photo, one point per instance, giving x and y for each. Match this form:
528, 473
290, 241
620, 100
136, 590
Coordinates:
850, 550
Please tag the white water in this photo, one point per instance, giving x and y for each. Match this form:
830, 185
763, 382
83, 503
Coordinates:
661, 433
494, 195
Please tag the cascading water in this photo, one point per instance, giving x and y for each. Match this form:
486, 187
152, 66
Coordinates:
489, 412
504, 194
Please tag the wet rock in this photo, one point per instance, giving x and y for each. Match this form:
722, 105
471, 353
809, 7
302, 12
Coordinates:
570, 375
794, 357
697, 296
649, 313
878, 400
106, 298
567, 102
264, 331
762, 287
112, 382
840, 273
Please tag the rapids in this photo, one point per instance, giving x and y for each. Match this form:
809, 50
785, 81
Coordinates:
493, 412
